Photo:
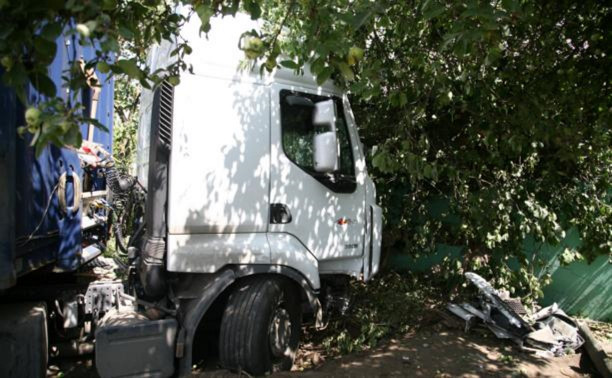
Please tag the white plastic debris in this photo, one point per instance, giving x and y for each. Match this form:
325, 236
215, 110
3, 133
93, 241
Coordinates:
548, 332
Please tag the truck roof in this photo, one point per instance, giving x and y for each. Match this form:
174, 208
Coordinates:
217, 54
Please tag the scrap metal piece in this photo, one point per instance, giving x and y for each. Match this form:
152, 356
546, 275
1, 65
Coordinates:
538, 352
565, 332
516, 305
486, 308
474, 311
556, 333
493, 297
543, 338
546, 312
499, 332
469, 318
553, 333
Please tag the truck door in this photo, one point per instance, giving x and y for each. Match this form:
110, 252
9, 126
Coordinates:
325, 212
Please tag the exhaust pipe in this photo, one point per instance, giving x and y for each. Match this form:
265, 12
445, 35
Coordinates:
151, 269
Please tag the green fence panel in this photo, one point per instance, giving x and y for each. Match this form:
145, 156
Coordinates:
579, 288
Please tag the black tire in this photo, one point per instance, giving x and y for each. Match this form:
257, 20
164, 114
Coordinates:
256, 313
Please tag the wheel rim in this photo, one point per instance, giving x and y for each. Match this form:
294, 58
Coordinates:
280, 332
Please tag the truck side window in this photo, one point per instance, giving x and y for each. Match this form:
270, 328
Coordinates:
297, 137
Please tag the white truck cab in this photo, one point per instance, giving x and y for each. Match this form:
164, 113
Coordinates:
263, 176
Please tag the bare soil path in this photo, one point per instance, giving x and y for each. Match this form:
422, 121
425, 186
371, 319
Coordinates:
432, 351
435, 352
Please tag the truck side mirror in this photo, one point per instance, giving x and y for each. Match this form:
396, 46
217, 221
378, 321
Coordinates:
326, 151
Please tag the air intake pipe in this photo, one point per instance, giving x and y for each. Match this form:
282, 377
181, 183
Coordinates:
151, 269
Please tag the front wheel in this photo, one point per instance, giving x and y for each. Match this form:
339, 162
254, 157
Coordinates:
260, 327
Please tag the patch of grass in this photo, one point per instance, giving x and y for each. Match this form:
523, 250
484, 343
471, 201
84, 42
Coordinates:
508, 359
389, 305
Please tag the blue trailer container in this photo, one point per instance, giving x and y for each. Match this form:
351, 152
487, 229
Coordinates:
28, 182
37, 230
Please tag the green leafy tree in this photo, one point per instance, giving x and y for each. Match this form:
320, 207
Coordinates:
119, 31
498, 110
125, 122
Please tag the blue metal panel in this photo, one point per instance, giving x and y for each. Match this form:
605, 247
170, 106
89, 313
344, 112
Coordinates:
58, 239
7, 187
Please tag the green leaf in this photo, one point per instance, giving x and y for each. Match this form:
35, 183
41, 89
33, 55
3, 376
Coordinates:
73, 137
110, 44
355, 54
145, 83
7, 62
324, 75
103, 67
289, 64
109, 5
361, 18
126, 32
173, 80
74, 6
493, 56
317, 66
43, 84
6, 30
130, 68
346, 71
252, 7
383, 162
51, 31
230, 9
205, 12
45, 50
432, 9
403, 99
39, 147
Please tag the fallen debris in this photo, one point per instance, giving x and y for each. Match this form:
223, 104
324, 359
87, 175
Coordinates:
547, 332
470, 319
597, 354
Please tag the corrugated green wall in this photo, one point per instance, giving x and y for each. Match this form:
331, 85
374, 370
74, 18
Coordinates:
579, 288
583, 289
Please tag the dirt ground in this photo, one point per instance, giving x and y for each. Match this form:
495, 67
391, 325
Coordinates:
450, 353
432, 351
